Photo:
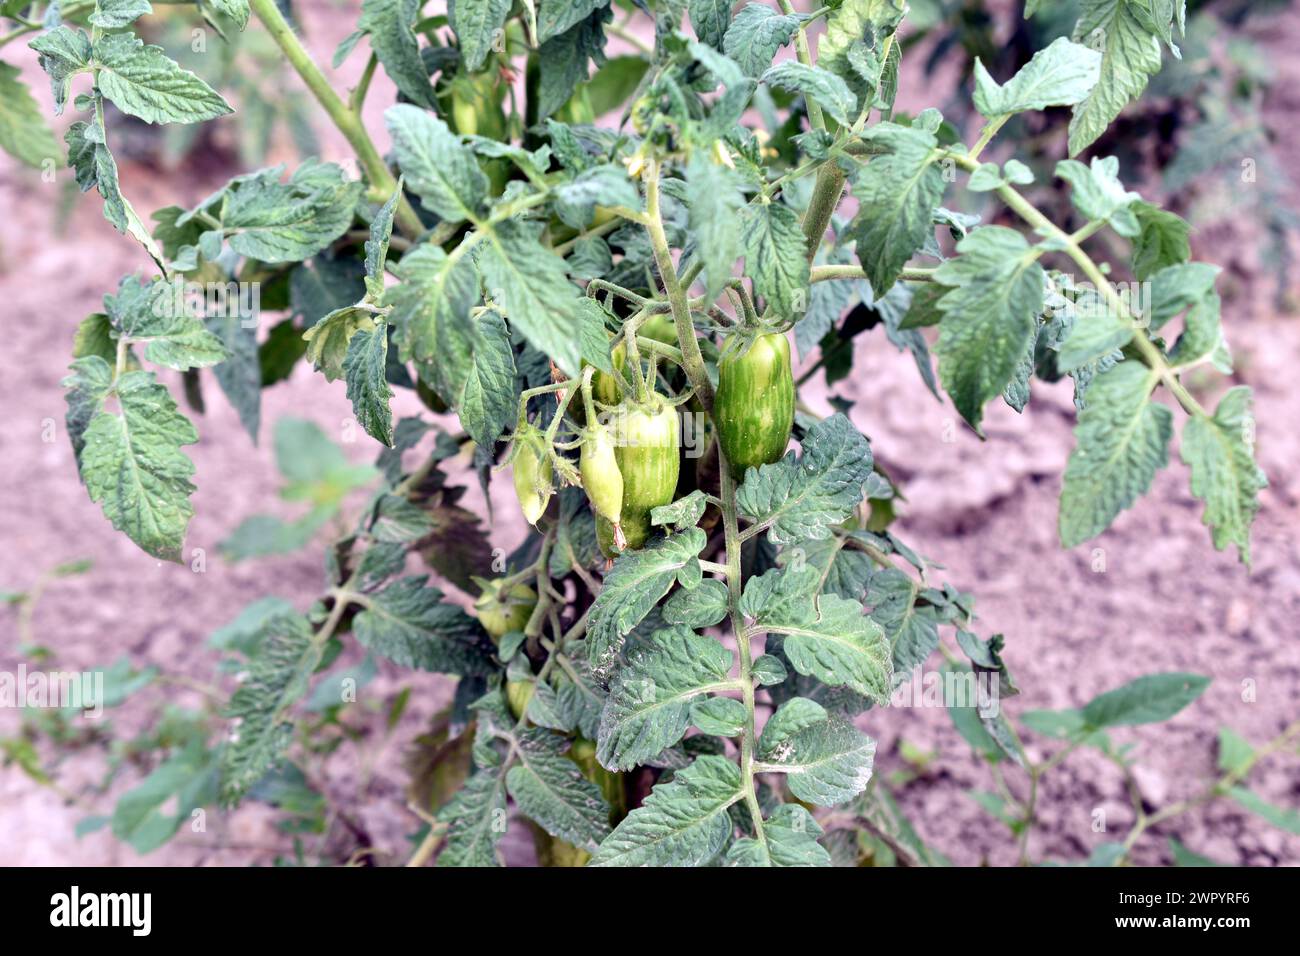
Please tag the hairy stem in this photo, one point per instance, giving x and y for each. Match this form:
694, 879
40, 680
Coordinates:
349, 123
1150, 353
731, 533
692, 357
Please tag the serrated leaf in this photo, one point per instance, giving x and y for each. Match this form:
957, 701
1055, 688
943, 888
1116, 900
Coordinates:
606, 185
388, 24
776, 257
437, 167
719, 716
156, 315
1097, 330
755, 34
63, 53
710, 19
1284, 818
488, 403
912, 630
989, 316
829, 638
24, 134
826, 763
800, 499
701, 606
1146, 700
681, 823
790, 840
530, 285
237, 10
365, 370
381, 231
1162, 240
793, 716
715, 204
134, 468
1130, 54
1177, 287
95, 167
1121, 441
768, 670
551, 791
329, 340
411, 625
649, 703
563, 60
1219, 452
87, 386
240, 374
272, 221
681, 514
477, 24
826, 89
144, 82
1099, 195
1061, 74
896, 192
476, 819
431, 313
278, 677
111, 14
858, 25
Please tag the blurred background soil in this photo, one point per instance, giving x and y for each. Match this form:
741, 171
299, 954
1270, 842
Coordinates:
985, 510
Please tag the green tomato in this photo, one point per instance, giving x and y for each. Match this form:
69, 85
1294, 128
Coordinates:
754, 405
661, 328
648, 450
601, 478
500, 613
532, 474
518, 694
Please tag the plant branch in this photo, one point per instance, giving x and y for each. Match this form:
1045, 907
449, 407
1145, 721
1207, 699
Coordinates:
692, 357
349, 123
1150, 353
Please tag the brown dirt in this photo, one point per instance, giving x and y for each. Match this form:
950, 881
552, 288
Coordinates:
986, 510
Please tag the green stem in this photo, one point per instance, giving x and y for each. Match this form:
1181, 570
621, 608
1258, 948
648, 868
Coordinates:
805, 57
731, 533
825, 273
349, 124
358, 97
825, 198
692, 357
987, 133
1150, 353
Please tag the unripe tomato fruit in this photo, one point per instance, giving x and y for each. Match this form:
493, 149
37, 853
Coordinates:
754, 405
532, 474
647, 448
601, 478
661, 328
518, 694
500, 613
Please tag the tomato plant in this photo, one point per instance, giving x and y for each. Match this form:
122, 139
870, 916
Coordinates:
599, 274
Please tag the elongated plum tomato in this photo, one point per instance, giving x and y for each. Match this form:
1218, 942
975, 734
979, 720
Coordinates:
502, 610
754, 405
518, 694
661, 328
647, 448
532, 469
601, 478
